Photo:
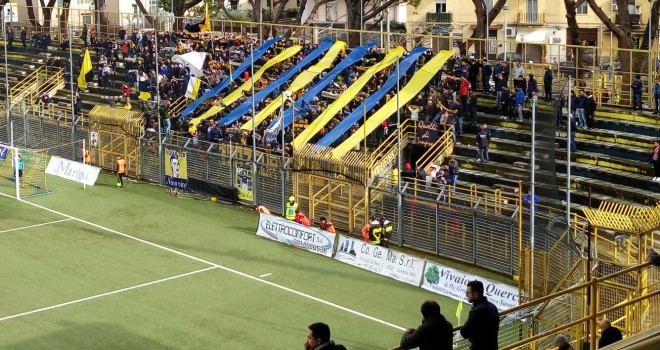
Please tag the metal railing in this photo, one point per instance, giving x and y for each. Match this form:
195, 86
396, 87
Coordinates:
531, 18
440, 17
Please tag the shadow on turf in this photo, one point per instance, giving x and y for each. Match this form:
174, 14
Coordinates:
95, 335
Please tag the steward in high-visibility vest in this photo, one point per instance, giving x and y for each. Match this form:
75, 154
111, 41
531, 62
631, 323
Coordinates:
326, 225
302, 219
387, 228
120, 168
395, 178
262, 209
291, 207
376, 232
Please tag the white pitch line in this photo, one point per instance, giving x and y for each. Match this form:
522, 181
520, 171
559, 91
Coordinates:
174, 251
32, 226
265, 275
105, 294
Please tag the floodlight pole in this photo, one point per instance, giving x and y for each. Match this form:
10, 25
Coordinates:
569, 130
4, 31
399, 194
283, 184
160, 122
73, 104
254, 129
532, 201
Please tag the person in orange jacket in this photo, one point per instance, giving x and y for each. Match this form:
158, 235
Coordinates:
366, 232
302, 219
326, 225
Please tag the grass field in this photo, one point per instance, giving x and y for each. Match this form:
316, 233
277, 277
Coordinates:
136, 268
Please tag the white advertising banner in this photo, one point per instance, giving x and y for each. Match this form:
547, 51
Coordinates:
74, 171
383, 261
295, 234
452, 283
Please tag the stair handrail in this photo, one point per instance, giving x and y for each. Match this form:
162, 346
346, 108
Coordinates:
442, 147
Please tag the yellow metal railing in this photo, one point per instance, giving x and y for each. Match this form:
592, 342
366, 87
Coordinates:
443, 147
178, 105
27, 88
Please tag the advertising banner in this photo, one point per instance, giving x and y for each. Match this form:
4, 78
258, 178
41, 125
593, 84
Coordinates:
296, 235
176, 169
383, 261
74, 171
243, 181
11, 12
452, 283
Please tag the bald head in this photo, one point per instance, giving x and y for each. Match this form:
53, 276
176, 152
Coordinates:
605, 324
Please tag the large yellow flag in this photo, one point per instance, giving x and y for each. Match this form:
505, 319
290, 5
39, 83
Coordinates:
84, 69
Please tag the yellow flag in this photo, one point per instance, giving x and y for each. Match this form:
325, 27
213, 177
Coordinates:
144, 96
84, 69
459, 309
206, 26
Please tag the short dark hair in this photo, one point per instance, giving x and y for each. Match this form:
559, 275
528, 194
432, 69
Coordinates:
320, 330
477, 287
430, 309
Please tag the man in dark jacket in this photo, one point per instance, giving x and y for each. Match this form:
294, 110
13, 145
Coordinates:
547, 84
532, 86
318, 338
590, 106
608, 335
486, 72
637, 87
483, 140
483, 322
435, 332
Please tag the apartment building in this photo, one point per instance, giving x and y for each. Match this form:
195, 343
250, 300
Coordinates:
530, 27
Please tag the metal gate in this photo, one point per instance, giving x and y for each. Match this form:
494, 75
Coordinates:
342, 202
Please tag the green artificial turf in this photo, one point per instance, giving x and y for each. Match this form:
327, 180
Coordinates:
65, 261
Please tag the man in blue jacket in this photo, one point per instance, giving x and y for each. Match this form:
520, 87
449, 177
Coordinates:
520, 100
483, 322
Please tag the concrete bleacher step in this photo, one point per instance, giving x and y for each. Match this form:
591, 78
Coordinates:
507, 188
525, 165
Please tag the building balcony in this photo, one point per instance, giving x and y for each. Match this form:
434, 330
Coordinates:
531, 19
635, 20
441, 17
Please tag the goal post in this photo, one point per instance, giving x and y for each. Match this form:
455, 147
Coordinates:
22, 171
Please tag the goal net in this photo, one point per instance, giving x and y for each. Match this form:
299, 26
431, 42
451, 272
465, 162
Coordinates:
29, 166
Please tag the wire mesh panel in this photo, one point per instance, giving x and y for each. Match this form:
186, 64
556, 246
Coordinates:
494, 241
419, 222
219, 168
455, 232
150, 160
269, 186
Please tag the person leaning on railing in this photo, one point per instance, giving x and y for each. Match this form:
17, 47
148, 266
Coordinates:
654, 257
483, 322
434, 333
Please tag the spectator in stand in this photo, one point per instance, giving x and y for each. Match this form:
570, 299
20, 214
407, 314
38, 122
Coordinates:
518, 70
483, 141
318, 338
83, 35
10, 37
435, 332
656, 95
473, 107
531, 86
452, 172
527, 198
637, 87
24, 37
483, 322
608, 334
408, 173
500, 89
654, 257
547, 84
655, 160
520, 100
561, 343
590, 106
486, 72
579, 107
574, 126
326, 225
